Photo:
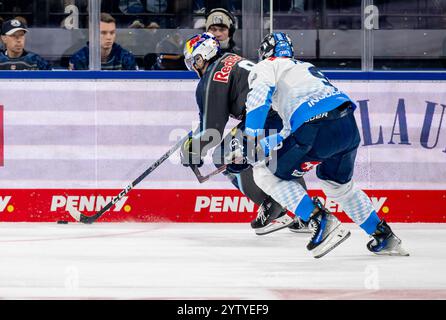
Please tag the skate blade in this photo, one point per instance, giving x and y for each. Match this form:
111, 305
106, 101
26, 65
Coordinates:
274, 226
302, 230
335, 239
397, 251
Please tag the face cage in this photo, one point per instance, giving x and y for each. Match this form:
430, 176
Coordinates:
196, 59
189, 63
265, 51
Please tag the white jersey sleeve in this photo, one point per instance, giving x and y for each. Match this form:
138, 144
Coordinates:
297, 90
262, 86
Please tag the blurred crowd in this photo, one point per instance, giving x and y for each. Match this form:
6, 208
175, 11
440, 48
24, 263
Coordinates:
151, 15
162, 50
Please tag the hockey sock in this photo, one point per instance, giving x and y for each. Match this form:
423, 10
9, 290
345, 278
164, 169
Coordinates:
370, 224
289, 194
355, 203
359, 208
305, 208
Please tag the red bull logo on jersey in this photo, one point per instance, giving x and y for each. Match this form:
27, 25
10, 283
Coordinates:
84, 203
223, 204
223, 74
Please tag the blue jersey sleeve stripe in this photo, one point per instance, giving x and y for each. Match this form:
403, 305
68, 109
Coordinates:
255, 119
306, 111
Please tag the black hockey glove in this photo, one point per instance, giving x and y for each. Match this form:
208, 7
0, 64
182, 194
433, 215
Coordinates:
188, 156
237, 168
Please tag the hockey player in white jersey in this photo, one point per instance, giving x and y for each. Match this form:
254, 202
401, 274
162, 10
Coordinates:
319, 131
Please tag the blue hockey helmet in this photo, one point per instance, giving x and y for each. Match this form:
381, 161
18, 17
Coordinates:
276, 44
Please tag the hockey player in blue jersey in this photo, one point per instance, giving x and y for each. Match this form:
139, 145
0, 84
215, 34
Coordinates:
319, 131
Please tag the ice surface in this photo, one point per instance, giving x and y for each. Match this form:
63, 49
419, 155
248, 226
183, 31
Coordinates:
211, 261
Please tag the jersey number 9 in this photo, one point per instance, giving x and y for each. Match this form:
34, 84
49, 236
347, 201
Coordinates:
318, 74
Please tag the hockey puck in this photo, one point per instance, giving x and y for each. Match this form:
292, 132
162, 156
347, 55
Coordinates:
62, 222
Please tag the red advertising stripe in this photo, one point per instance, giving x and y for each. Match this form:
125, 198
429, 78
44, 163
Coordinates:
46, 205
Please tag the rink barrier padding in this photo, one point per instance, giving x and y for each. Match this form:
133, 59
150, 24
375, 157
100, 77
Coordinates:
49, 205
79, 140
2, 138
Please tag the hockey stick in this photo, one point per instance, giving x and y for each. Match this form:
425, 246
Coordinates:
90, 219
205, 178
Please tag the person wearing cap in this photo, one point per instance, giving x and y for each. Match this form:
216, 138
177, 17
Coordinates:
113, 56
14, 56
222, 24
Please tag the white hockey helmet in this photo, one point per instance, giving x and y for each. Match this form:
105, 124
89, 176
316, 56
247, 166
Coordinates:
205, 44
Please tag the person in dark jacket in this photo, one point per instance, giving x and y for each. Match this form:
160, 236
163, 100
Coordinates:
222, 24
113, 56
15, 57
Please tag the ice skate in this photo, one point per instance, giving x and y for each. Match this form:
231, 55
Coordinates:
300, 226
328, 232
271, 217
385, 242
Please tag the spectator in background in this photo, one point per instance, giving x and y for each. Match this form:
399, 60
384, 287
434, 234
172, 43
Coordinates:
134, 9
131, 6
230, 5
156, 6
113, 56
297, 6
1, 23
159, 7
222, 24
22, 20
199, 7
14, 56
